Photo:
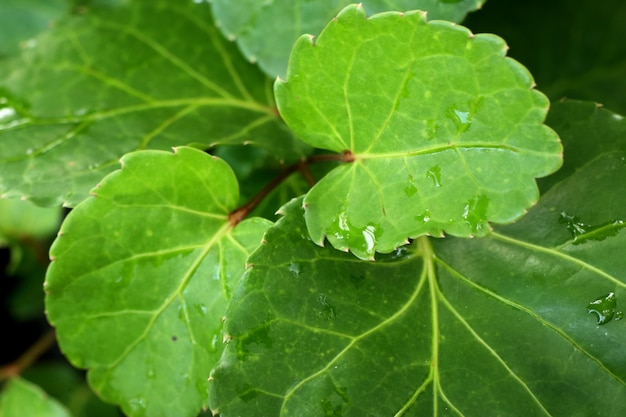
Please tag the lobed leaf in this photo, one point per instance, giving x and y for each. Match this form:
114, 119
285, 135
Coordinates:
501, 325
140, 277
149, 75
443, 132
266, 31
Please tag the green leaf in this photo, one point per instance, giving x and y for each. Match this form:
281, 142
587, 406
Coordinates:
443, 132
588, 129
20, 20
22, 219
140, 277
112, 81
499, 325
266, 31
21, 398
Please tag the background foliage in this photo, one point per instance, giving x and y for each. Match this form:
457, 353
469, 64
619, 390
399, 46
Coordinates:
84, 82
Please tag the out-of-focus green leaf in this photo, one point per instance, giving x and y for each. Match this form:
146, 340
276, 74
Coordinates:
446, 134
21, 398
21, 20
266, 31
503, 325
20, 219
574, 52
151, 75
588, 129
140, 277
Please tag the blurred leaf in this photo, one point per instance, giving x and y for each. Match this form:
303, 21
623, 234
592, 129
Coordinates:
499, 325
266, 31
140, 277
588, 129
112, 81
22, 219
21, 20
574, 52
21, 398
446, 133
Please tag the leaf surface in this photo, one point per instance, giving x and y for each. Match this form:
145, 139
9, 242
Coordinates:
22, 398
140, 277
266, 31
500, 325
444, 133
113, 81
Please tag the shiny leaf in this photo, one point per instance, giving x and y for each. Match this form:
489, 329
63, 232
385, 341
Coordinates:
266, 31
442, 132
499, 325
113, 80
140, 277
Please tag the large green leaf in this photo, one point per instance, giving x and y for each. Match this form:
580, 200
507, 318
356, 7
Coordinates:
578, 121
266, 31
21, 20
572, 52
494, 326
140, 277
21, 398
444, 132
150, 75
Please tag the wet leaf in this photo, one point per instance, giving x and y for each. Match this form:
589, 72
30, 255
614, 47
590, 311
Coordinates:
266, 31
140, 277
442, 132
111, 81
22, 398
457, 327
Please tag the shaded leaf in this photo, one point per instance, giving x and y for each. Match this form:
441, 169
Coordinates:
588, 129
22, 398
140, 277
445, 132
112, 81
572, 52
266, 31
448, 327
22, 219
21, 20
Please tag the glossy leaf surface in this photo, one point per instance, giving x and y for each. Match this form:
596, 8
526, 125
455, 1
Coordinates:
266, 31
22, 398
112, 81
499, 325
446, 134
140, 277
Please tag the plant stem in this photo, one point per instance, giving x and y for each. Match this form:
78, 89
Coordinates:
242, 212
13, 369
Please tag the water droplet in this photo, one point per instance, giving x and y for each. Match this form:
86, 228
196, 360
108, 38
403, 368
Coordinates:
475, 214
7, 113
29, 151
424, 217
137, 406
432, 127
434, 173
410, 190
582, 232
294, 268
605, 308
328, 310
461, 119
360, 240
150, 374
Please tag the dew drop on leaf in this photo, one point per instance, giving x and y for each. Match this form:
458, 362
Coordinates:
475, 213
434, 173
294, 268
605, 308
328, 311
